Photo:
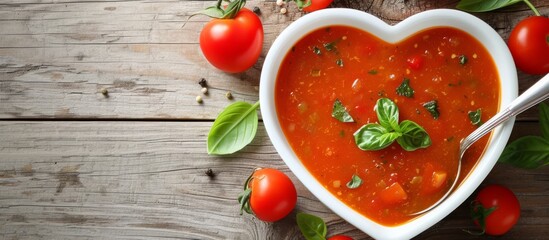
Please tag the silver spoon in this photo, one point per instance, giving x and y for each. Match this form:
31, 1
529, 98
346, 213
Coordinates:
532, 96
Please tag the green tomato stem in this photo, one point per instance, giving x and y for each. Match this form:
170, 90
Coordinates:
532, 7
218, 5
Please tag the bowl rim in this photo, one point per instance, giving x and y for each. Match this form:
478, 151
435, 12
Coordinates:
474, 26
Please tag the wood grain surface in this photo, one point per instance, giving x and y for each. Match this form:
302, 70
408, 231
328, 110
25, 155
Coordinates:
78, 180
57, 56
78, 164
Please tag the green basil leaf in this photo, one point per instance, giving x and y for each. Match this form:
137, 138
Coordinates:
316, 50
387, 114
527, 152
475, 117
311, 226
544, 120
405, 89
355, 182
484, 5
340, 113
331, 46
432, 108
211, 11
372, 136
233, 129
413, 136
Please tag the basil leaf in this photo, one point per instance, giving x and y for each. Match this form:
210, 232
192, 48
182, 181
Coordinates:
387, 114
330, 46
475, 116
544, 120
413, 136
484, 5
312, 227
355, 182
404, 89
527, 152
340, 113
372, 136
316, 50
233, 129
432, 108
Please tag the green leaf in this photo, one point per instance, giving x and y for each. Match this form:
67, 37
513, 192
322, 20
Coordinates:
413, 136
544, 120
233, 129
316, 50
233, 8
527, 152
387, 114
484, 5
330, 46
355, 182
475, 117
340, 113
404, 89
432, 108
312, 227
211, 11
372, 136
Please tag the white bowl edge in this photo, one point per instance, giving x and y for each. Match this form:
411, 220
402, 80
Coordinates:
424, 20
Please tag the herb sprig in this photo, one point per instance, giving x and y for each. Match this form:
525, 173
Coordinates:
408, 134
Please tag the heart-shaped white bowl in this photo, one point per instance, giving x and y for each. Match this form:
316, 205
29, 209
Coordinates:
392, 34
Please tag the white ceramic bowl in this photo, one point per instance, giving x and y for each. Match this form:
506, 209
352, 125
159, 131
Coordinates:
361, 20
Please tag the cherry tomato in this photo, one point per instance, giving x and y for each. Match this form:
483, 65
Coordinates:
317, 5
233, 45
270, 194
529, 45
340, 237
496, 209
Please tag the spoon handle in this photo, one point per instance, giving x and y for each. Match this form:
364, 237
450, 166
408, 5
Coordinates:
532, 96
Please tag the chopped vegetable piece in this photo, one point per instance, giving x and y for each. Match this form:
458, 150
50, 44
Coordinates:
339, 62
432, 108
393, 194
340, 113
475, 117
355, 182
405, 89
462, 59
316, 50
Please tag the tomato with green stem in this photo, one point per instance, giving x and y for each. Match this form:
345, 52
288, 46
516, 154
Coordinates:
317, 5
233, 40
496, 210
268, 194
529, 45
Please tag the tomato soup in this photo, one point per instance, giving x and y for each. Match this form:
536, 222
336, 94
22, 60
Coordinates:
453, 81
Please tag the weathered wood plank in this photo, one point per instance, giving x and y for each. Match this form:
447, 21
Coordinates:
56, 57
137, 180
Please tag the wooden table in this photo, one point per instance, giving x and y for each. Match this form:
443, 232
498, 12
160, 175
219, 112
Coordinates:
78, 164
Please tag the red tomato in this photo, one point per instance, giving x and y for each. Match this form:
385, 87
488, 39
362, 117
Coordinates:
317, 5
497, 208
233, 45
340, 237
529, 45
272, 196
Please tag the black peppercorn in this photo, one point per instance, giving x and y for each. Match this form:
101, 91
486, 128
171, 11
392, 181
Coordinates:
256, 10
203, 83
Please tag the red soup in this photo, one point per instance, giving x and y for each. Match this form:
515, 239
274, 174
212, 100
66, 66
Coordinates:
441, 78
